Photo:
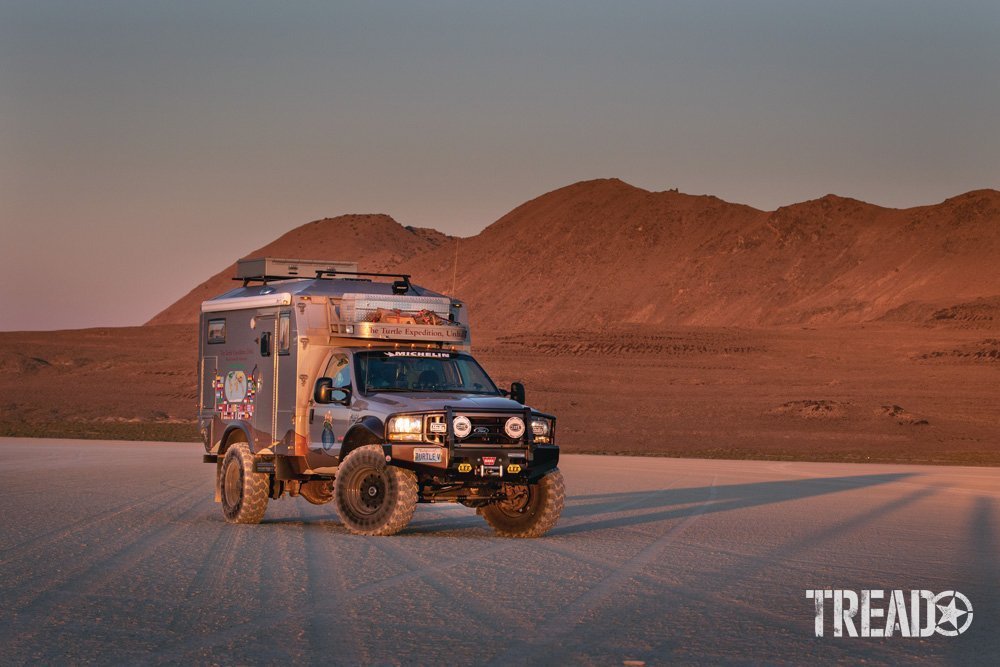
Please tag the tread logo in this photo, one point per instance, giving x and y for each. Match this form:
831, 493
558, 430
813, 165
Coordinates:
919, 614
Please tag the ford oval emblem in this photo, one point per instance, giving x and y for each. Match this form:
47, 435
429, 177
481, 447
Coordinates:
481, 430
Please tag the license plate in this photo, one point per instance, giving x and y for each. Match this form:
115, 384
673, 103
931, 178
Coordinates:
427, 455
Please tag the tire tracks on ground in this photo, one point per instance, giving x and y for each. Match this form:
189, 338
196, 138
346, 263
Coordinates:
556, 628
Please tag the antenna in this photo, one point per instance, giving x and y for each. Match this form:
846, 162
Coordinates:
454, 267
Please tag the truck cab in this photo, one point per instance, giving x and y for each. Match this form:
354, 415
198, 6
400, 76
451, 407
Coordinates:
360, 389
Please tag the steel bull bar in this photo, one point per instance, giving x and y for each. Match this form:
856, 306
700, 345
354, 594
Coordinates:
499, 459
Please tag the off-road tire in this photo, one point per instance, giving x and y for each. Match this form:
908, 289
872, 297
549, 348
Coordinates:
372, 497
532, 516
244, 492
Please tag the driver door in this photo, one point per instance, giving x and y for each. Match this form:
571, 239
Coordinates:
330, 421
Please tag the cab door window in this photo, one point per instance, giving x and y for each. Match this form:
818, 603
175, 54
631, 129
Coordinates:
339, 368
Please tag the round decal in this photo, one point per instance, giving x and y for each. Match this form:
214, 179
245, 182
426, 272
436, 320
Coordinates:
514, 427
236, 386
462, 426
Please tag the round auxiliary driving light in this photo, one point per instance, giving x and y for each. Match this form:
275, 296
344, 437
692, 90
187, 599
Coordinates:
462, 426
514, 428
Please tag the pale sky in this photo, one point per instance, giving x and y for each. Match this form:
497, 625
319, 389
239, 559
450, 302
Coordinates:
145, 145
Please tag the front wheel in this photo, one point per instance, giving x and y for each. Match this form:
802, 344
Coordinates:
527, 510
374, 498
244, 492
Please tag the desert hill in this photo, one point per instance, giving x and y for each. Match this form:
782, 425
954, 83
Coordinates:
601, 253
376, 242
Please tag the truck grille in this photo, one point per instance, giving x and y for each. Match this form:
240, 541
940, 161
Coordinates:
488, 431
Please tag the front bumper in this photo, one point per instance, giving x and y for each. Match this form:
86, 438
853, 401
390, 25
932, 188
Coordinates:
470, 465
472, 459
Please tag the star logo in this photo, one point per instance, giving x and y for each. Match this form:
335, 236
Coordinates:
957, 613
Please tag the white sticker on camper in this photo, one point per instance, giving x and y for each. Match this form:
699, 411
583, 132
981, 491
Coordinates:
236, 386
410, 331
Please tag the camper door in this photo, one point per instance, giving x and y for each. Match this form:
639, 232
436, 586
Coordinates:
276, 396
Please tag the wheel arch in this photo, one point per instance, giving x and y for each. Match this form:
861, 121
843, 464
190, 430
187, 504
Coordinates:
235, 432
368, 431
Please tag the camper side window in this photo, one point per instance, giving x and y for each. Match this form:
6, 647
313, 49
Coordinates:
216, 331
284, 333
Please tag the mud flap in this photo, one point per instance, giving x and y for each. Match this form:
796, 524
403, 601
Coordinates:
218, 480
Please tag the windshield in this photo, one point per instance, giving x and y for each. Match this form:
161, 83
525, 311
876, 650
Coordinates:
421, 372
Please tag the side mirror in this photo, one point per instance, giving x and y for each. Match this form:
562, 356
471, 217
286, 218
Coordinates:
326, 393
265, 344
517, 392
324, 390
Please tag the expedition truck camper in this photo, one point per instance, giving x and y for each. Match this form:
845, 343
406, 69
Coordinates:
330, 384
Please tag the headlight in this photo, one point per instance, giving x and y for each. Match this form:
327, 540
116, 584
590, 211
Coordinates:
514, 427
541, 429
406, 428
462, 426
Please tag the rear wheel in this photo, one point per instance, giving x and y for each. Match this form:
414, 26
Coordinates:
374, 498
527, 510
244, 492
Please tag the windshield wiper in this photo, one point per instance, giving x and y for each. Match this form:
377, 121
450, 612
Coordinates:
473, 391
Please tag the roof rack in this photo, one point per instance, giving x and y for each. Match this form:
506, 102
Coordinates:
401, 286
